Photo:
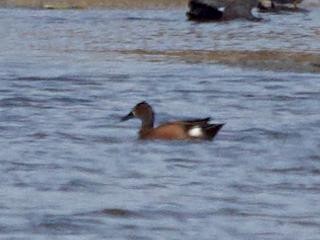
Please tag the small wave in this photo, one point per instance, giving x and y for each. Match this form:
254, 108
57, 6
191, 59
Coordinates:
20, 102
295, 187
145, 214
71, 136
182, 160
24, 166
307, 223
285, 170
280, 135
245, 188
315, 157
299, 170
80, 185
116, 212
39, 135
88, 170
149, 19
77, 80
71, 100
106, 140
62, 224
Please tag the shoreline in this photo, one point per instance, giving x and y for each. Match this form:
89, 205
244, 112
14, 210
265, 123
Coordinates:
122, 4
85, 4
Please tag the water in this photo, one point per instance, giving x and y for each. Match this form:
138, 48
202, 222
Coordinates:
70, 170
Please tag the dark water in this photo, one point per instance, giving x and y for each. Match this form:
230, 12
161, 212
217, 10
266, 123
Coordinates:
70, 170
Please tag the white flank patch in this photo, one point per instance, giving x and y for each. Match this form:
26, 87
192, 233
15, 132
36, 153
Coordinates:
195, 132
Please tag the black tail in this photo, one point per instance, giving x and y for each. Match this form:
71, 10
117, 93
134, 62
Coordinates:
198, 121
212, 129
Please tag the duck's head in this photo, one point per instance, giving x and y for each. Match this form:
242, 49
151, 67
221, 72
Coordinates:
142, 111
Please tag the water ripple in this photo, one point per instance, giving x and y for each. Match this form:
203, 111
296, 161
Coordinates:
70, 170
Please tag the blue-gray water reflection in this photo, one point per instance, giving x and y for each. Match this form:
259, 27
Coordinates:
70, 170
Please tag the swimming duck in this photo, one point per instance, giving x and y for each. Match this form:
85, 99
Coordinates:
210, 10
178, 130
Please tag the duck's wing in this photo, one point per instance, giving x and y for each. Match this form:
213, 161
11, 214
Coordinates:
188, 122
184, 130
198, 121
199, 128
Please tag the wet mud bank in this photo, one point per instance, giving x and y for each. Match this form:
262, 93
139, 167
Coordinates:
281, 61
82, 4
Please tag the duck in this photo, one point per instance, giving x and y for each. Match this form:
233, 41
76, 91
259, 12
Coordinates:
194, 129
210, 10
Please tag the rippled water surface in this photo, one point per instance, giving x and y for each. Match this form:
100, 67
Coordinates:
70, 170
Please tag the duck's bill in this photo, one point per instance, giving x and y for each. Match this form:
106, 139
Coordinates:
127, 117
